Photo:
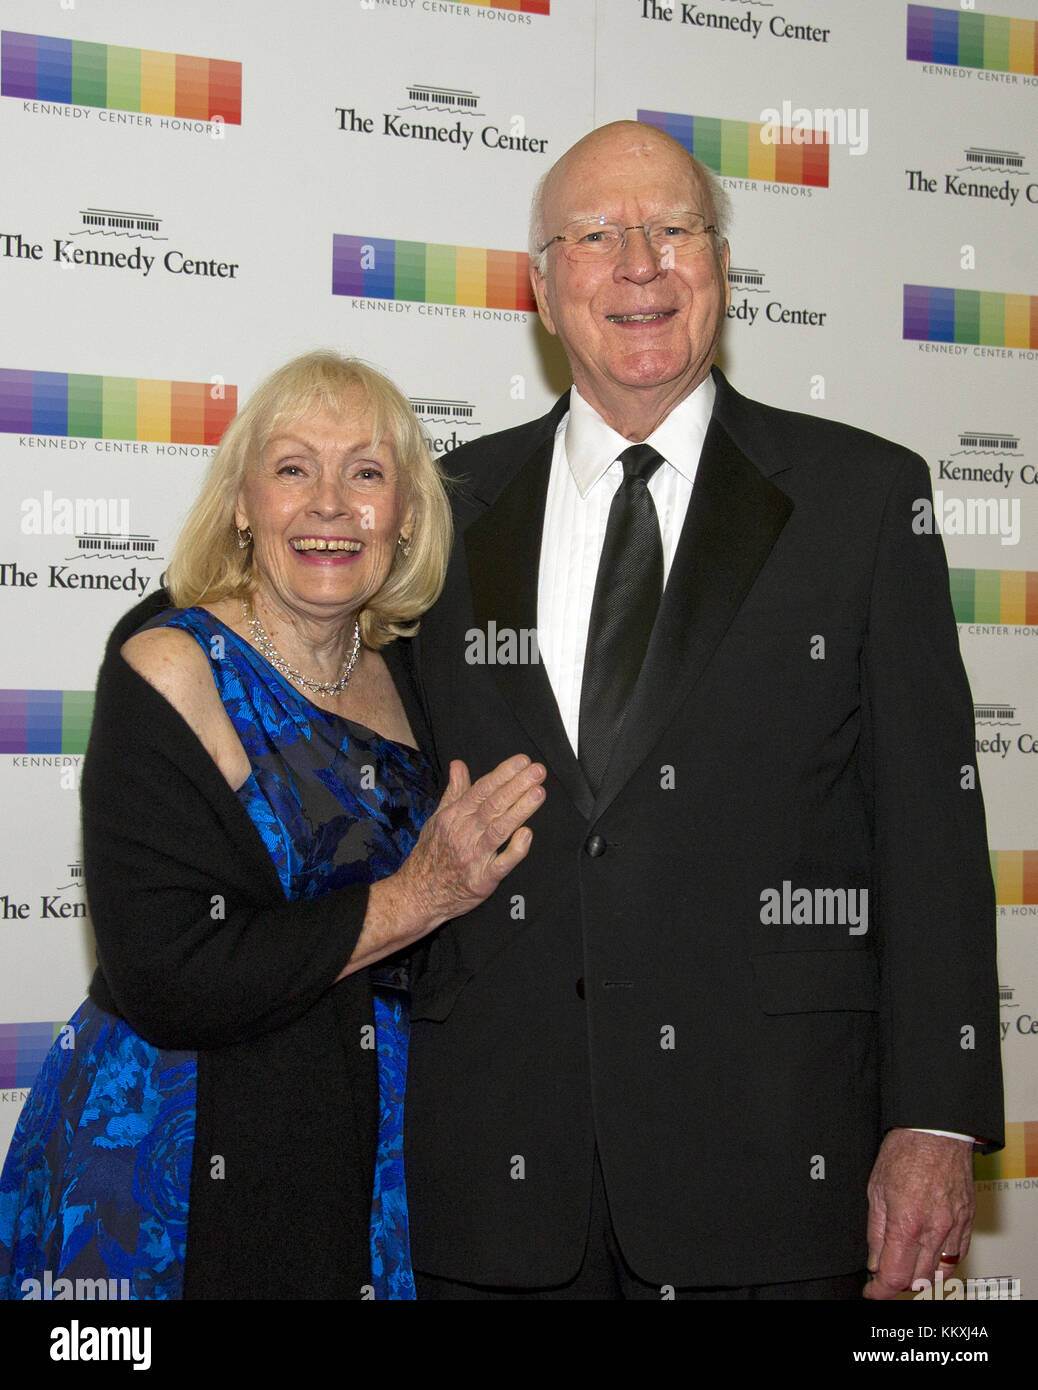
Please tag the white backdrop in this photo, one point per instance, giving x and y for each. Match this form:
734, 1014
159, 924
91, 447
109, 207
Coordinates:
161, 251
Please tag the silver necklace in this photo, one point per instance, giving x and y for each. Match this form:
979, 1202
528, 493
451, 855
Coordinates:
266, 646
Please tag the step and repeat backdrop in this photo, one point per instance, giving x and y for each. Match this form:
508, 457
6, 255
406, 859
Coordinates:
193, 193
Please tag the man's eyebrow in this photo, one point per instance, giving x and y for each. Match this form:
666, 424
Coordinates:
581, 217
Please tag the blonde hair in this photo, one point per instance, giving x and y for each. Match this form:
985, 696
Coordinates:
208, 563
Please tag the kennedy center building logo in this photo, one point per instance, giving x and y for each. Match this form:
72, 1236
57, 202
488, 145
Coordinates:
747, 281
433, 114
994, 442
995, 458
123, 240
63, 902
981, 173
42, 69
438, 415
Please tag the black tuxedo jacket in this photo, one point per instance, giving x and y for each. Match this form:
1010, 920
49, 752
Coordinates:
802, 722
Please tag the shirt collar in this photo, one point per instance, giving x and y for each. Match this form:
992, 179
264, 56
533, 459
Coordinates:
592, 445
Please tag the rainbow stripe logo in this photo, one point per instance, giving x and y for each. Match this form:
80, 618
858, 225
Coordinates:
966, 39
378, 268
1019, 1158
114, 407
23, 1047
739, 150
1015, 872
523, 6
995, 596
45, 721
122, 79
970, 316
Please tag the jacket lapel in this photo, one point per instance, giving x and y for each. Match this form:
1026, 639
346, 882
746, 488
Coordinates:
503, 548
734, 519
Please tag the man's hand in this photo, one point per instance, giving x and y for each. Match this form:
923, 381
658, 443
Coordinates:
921, 1203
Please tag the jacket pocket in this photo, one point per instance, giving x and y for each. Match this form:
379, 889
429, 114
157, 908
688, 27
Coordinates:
436, 1004
799, 982
439, 973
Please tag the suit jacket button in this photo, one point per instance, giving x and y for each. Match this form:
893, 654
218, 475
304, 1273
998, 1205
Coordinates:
595, 845
580, 988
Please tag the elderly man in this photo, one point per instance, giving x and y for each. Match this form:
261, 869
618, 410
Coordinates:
731, 1030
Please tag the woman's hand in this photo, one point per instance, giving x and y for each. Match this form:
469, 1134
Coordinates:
474, 838
459, 860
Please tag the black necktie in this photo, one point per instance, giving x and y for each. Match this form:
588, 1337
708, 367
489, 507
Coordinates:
627, 595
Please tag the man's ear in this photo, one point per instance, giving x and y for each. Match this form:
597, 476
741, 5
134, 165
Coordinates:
539, 286
724, 256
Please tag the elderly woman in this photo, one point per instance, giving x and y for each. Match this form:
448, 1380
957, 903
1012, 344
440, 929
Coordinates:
259, 829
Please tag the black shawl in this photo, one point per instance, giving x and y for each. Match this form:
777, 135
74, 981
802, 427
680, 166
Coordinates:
199, 950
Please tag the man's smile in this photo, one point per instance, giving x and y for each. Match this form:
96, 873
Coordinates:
653, 316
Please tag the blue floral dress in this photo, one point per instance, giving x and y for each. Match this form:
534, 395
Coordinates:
96, 1181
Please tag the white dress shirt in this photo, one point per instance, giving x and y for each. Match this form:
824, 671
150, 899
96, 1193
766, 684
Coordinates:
585, 474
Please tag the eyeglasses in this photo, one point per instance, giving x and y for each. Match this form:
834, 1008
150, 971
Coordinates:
596, 238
